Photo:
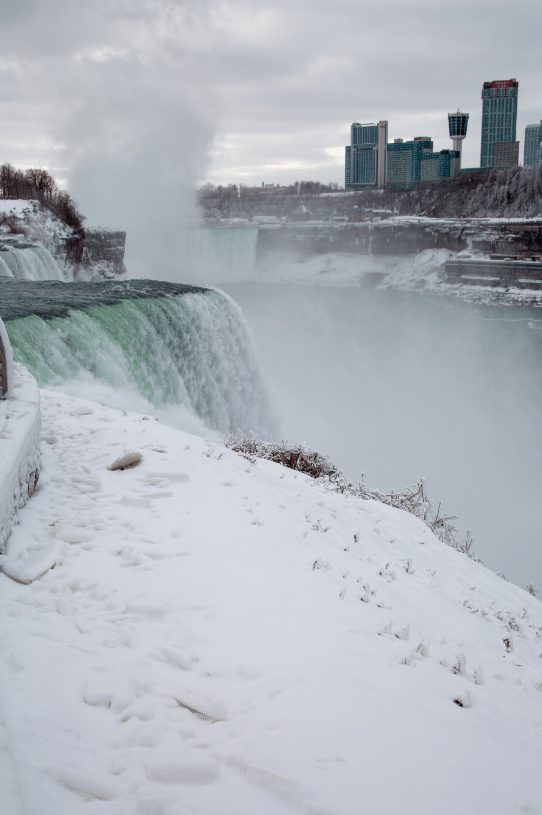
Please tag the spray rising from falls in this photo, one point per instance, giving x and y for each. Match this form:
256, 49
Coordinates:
229, 254
181, 352
27, 261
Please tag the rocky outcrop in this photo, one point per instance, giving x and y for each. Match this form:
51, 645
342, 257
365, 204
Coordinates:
398, 236
102, 251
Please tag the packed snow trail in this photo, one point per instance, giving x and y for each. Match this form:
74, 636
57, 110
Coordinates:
212, 637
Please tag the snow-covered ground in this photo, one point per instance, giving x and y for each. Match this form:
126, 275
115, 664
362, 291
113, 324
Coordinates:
422, 273
214, 637
407, 272
17, 208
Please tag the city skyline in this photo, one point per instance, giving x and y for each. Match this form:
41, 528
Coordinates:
243, 92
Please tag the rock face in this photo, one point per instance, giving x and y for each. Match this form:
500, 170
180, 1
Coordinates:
399, 236
103, 251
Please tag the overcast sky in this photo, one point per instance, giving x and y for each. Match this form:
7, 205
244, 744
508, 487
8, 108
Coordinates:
246, 91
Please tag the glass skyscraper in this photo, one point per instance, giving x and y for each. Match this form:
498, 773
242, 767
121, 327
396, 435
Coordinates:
366, 156
532, 151
499, 116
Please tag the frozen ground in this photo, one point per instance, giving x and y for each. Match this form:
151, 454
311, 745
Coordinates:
422, 273
212, 637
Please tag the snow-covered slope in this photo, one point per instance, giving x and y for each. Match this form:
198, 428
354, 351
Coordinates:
223, 638
423, 273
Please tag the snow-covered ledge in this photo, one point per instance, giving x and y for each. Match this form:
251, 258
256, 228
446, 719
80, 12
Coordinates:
19, 439
6, 363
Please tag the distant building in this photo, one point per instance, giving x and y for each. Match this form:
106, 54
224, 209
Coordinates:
457, 127
532, 150
366, 156
405, 160
499, 117
439, 166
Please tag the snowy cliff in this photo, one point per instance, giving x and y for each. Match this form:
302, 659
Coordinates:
63, 253
223, 636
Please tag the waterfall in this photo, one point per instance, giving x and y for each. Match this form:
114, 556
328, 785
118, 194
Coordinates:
187, 358
26, 261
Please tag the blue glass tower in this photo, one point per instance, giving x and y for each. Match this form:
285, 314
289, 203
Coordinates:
499, 117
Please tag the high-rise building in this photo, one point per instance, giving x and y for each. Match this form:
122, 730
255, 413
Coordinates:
457, 126
405, 158
499, 116
532, 149
439, 166
506, 154
366, 155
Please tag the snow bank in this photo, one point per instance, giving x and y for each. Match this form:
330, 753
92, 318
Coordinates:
423, 273
17, 208
19, 448
405, 272
219, 637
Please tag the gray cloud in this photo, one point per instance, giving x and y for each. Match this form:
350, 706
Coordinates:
344, 61
136, 90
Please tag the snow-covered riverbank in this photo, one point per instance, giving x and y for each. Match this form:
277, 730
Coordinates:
222, 637
423, 273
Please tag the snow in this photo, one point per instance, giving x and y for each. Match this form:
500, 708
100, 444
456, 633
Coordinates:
406, 272
18, 208
422, 273
199, 644
19, 446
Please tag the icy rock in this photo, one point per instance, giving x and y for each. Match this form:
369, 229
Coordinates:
131, 501
463, 698
37, 564
126, 462
178, 477
91, 785
202, 706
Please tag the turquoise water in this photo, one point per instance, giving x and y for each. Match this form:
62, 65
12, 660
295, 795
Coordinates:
402, 386
144, 345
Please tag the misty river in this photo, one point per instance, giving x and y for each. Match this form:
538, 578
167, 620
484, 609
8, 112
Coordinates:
402, 386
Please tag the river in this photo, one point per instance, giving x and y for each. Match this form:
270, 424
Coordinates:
402, 386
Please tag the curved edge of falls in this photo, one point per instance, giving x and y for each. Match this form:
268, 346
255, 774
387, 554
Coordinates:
190, 360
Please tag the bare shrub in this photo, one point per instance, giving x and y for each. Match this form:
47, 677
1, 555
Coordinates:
318, 466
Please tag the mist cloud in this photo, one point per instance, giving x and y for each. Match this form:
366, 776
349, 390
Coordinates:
129, 110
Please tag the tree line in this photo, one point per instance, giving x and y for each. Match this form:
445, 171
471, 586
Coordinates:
38, 185
511, 192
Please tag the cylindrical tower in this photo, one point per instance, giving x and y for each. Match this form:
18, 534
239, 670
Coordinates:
457, 125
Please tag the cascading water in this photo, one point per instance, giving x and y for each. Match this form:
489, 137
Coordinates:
27, 261
181, 352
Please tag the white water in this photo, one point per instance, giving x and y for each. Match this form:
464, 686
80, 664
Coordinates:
188, 359
31, 263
